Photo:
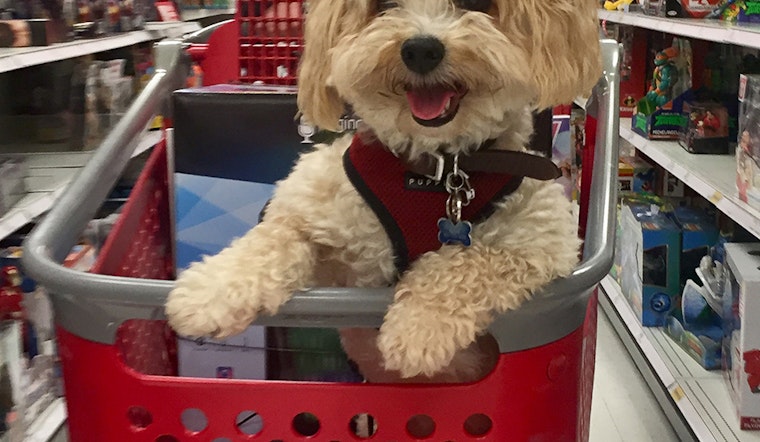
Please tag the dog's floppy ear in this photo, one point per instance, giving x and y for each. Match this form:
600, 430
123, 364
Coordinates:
563, 38
327, 21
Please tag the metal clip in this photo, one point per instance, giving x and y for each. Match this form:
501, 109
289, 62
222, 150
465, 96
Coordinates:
439, 167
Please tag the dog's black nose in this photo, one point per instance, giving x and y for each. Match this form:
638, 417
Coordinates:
422, 54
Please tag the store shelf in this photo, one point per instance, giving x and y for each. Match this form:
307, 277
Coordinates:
48, 423
742, 34
198, 14
49, 174
712, 176
17, 58
697, 396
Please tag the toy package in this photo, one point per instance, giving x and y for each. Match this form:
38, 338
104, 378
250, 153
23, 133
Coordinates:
107, 94
697, 327
742, 11
748, 146
636, 175
659, 113
706, 128
741, 341
650, 253
690, 8
699, 234
632, 67
652, 7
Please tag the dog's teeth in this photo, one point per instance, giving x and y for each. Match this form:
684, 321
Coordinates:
446, 108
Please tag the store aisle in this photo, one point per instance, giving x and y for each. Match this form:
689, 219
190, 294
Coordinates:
623, 408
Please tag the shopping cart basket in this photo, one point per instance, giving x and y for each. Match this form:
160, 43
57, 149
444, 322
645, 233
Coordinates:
540, 389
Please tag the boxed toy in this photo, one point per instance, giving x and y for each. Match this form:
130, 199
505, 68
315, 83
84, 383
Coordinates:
748, 146
652, 7
632, 67
697, 327
659, 115
650, 250
238, 357
231, 144
743, 11
636, 175
706, 128
741, 341
671, 185
690, 8
699, 234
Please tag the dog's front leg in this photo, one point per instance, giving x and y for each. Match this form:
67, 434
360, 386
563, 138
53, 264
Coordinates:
223, 294
449, 297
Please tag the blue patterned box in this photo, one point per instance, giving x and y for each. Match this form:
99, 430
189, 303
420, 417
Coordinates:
232, 143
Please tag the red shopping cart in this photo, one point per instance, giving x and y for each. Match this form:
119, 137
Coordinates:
120, 374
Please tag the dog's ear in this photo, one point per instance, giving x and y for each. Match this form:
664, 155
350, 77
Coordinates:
327, 21
563, 38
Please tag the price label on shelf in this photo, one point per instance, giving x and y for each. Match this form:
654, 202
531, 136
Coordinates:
677, 393
716, 197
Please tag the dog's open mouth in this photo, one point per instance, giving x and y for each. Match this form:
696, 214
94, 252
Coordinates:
434, 106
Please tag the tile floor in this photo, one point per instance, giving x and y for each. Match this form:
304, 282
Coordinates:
623, 408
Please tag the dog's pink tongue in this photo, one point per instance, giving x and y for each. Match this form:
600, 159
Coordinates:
428, 104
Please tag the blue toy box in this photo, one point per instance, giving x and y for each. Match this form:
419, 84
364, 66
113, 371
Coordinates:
699, 233
650, 248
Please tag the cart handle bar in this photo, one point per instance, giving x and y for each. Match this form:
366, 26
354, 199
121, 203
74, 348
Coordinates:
51, 241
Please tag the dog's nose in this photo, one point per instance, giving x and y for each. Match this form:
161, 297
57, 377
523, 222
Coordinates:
422, 54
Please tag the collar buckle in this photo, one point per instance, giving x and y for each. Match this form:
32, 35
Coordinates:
440, 165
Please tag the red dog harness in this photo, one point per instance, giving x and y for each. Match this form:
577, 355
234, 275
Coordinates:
409, 205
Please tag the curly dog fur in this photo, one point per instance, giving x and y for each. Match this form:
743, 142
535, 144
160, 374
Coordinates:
511, 56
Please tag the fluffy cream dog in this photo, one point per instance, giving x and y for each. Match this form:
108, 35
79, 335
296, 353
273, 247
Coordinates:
426, 76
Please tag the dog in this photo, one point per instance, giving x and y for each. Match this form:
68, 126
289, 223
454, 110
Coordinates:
436, 83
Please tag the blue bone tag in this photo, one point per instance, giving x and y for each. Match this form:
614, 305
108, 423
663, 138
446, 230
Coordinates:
452, 233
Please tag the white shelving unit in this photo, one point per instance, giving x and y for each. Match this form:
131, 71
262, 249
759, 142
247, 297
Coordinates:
700, 396
18, 58
696, 401
49, 174
712, 176
711, 30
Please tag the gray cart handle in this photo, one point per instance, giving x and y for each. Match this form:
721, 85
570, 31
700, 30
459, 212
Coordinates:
93, 306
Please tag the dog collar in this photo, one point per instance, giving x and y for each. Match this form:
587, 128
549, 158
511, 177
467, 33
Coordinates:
485, 159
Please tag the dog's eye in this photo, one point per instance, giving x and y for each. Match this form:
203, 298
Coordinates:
474, 5
384, 5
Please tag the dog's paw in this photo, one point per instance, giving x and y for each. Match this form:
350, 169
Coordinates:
415, 340
200, 306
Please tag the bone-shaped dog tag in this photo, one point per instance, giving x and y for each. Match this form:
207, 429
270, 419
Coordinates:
450, 232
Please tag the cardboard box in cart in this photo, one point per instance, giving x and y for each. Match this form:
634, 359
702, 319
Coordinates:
232, 143
741, 337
